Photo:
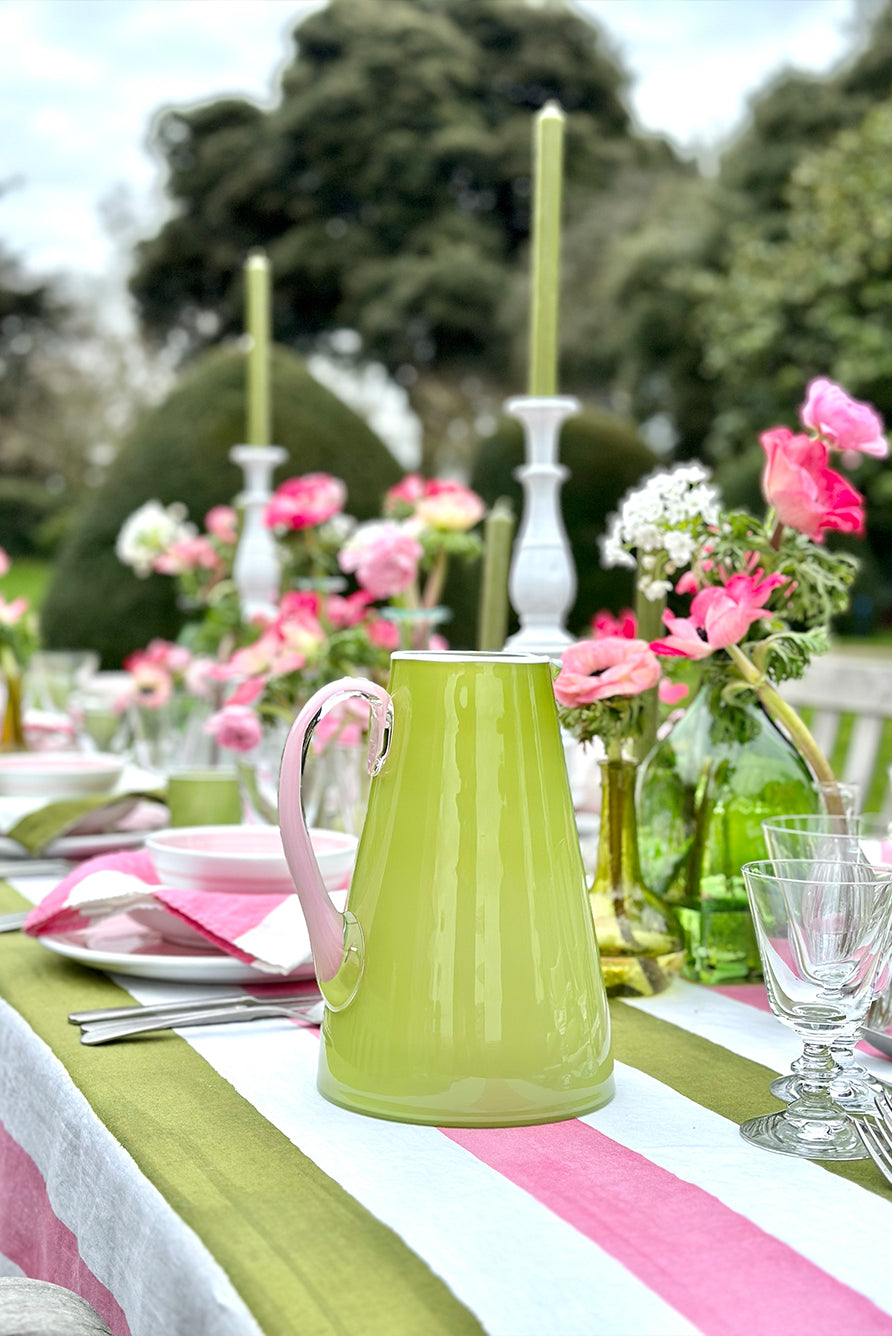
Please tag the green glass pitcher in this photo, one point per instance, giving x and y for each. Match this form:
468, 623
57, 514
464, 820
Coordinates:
462, 980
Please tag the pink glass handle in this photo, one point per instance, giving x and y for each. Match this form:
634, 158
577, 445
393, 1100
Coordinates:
329, 930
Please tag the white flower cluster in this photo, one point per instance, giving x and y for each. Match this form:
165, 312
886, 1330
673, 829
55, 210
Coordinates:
659, 526
148, 532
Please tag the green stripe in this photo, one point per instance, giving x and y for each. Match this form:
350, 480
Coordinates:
713, 1077
303, 1254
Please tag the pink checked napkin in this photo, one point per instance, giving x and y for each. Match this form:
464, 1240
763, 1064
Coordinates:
267, 931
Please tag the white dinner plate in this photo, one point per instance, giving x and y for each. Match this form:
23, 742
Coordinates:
120, 945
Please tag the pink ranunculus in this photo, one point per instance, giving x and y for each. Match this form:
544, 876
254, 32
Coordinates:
5, 563
383, 634
298, 603
720, 616
302, 634
806, 494
384, 556
605, 624
593, 670
401, 499
221, 523
304, 502
235, 727
449, 505
844, 423
188, 554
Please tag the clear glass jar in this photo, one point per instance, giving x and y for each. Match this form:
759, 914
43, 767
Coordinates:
702, 794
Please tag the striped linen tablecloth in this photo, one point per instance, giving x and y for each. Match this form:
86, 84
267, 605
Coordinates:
199, 1184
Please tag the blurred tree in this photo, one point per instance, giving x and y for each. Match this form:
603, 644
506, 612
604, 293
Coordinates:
390, 186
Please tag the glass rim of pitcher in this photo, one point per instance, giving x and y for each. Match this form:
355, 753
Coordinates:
474, 655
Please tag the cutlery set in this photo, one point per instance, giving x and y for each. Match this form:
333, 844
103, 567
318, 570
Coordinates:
111, 1023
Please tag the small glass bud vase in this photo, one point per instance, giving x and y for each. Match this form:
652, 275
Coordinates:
12, 733
639, 939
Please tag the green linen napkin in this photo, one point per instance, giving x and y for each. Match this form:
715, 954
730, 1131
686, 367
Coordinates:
39, 828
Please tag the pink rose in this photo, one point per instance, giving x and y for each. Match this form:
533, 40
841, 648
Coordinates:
304, 502
236, 727
221, 523
5, 563
844, 423
593, 670
384, 556
805, 493
449, 505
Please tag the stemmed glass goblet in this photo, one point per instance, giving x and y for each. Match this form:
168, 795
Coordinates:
823, 929
831, 837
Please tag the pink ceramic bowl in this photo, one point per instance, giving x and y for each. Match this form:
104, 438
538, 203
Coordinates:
243, 860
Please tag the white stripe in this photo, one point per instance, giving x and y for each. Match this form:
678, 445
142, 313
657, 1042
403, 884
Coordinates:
834, 1223
8, 1268
519, 1268
135, 1244
742, 1029
280, 941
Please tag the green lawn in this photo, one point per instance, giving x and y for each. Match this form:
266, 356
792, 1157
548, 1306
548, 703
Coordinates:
28, 578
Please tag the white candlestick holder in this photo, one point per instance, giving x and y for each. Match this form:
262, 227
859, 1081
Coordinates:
542, 579
256, 570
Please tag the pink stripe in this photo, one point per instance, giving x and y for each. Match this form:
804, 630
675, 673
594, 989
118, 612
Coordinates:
753, 994
32, 1235
718, 1269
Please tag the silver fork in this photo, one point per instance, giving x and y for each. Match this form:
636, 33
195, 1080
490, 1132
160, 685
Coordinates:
104, 1032
870, 1113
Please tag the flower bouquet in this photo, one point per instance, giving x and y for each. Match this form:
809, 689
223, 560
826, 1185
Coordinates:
762, 596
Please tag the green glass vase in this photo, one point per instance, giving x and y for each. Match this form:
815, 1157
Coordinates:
639, 938
702, 794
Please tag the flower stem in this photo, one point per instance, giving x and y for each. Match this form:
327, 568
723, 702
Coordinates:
782, 713
433, 587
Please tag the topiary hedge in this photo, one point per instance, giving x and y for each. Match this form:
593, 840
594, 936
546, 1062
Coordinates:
605, 457
179, 451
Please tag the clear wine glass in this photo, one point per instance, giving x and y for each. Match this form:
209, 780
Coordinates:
833, 837
823, 929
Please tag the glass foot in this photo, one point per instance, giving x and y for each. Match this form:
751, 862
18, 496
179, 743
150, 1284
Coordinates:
809, 1138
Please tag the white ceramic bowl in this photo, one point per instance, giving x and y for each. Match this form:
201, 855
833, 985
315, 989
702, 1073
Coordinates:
242, 860
57, 774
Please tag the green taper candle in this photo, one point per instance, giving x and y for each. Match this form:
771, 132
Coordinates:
548, 145
492, 627
257, 324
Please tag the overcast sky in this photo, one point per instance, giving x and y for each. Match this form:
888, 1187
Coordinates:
80, 79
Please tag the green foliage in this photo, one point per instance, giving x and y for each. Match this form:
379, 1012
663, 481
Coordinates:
605, 457
180, 452
390, 185
27, 511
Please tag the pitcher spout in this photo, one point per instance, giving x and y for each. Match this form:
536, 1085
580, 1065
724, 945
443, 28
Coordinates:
335, 938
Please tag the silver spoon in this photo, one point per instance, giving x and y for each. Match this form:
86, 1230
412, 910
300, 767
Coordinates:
104, 1032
